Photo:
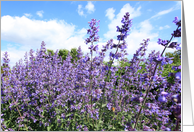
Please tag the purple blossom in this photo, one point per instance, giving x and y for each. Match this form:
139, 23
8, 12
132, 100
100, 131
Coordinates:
178, 75
85, 128
47, 88
177, 33
177, 21
125, 27
167, 129
174, 45
93, 32
162, 42
164, 93
162, 99
109, 106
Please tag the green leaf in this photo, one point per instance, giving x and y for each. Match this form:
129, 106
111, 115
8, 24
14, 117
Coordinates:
68, 114
103, 105
48, 128
101, 122
110, 126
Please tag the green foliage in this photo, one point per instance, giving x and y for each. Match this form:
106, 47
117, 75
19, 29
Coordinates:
74, 54
122, 65
63, 53
50, 51
2, 71
176, 56
107, 63
168, 68
109, 121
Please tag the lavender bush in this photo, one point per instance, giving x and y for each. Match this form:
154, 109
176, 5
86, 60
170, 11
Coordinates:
47, 93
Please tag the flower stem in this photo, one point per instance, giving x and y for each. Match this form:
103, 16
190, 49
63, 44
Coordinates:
2, 128
18, 110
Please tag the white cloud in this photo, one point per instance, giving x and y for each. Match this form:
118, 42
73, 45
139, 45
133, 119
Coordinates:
80, 10
110, 13
117, 20
27, 14
90, 7
160, 28
39, 13
143, 30
137, 3
13, 54
73, 2
178, 5
137, 35
162, 13
30, 33
164, 27
175, 7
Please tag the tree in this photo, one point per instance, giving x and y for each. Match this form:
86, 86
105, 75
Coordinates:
50, 51
64, 53
74, 54
176, 54
168, 68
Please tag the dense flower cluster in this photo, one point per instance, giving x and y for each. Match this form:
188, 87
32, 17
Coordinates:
47, 93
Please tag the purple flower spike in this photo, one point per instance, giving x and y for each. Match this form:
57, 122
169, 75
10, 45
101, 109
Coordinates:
92, 89
93, 32
162, 42
125, 27
158, 59
118, 29
173, 45
5, 58
177, 33
176, 20
95, 48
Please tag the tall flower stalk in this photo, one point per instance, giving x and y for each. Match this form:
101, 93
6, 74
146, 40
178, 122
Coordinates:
93, 32
159, 60
87, 95
123, 34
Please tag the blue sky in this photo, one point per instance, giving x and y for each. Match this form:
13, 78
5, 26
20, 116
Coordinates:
64, 24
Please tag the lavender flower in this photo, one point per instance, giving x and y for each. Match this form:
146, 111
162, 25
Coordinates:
176, 98
162, 99
45, 88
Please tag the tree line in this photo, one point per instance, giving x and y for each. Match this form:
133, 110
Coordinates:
63, 53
